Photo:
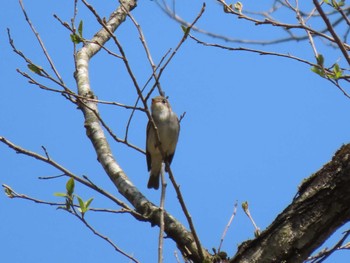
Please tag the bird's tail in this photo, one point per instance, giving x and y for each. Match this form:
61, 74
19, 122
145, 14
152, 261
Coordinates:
153, 181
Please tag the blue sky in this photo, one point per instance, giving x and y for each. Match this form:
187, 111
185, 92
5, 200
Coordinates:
255, 126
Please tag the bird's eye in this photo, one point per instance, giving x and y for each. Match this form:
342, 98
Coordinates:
164, 101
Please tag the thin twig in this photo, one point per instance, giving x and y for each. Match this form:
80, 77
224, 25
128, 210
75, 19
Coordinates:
42, 72
161, 218
65, 93
336, 83
176, 257
148, 53
302, 22
65, 24
68, 95
151, 77
146, 98
337, 40
46, 152
13, 194
138, 98
260, 52
107, 239
54, 164
51, 177
325, 253
181, 41
106, 49
247, 212
344, 15
73, 30
272, 22
121, 50
182, 116
109, 130
41, 43
185, 210
228, 225
266, 15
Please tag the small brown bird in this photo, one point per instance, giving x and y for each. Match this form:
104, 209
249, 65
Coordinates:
168, 127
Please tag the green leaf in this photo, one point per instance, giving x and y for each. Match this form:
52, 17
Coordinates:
315, 69
80, 29
88, 202
60, 194
341, 3
318, 71
320, 60
8, 192
336, 67
239, 7
81, 204
36, 69
76, 39
245, 206
70, 186
335, 4
337, 71
185, 29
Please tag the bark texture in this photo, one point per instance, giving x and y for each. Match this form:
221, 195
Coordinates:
320, 208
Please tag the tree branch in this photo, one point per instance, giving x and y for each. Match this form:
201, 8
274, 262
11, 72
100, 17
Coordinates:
320, 208
336, 38
173, 228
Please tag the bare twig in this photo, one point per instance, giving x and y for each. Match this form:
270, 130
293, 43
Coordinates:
107, 239
176, 256
148, 53
51, 177
75, 13
65, 93
344, 14
181, 41
182, 116
46, 153
161, 221
260, 52
325, 253
336, 83
41, 72
247, 212
65, 24
54, 164
121, 50
146, 98
185, 210
337, 40
228, 225
41, 43
109, 130
69, 95
302, 22
13, 194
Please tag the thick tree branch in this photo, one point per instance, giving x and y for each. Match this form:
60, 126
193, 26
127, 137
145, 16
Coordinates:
320, 208
173, 228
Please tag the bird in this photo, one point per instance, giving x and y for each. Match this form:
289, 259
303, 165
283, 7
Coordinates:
168, 127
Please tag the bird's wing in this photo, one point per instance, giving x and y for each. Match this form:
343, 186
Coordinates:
148, 155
